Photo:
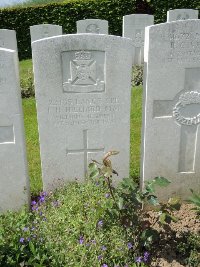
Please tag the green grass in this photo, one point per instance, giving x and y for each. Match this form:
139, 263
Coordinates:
32, 133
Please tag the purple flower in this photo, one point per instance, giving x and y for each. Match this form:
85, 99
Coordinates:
107, 195
33, 202
43, 194
97, 183
55, 203
100, 223
146, 256
103, 248
126, 265
21, 240
25, 229
81, 240
104, 265
129, 245
34, 208
28, 239
138, 259
41, 199
100, 257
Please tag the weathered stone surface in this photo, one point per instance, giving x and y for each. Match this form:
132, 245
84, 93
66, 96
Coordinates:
44, 31
8, 39
171, 114
83, 103
181, 14
14, 183
97, 26
133, 27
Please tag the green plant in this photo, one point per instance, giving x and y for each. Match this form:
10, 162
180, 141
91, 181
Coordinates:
128, 202
27, 85
137, 75
195, 199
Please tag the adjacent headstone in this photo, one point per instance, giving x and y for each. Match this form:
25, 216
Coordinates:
83, 103
8, 39
171, 114
44, 31
97, 26
181, 14
14, 183
134, 27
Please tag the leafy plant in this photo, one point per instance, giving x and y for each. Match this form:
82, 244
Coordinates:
129, 200
137, 75
195, 199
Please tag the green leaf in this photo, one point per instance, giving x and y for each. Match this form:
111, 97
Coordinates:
150, 187
153, 200
92, 166
94, 174
161, 181
174, 202
120, 203
162, 218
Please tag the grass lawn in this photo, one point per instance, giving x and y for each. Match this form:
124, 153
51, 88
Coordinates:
32, 133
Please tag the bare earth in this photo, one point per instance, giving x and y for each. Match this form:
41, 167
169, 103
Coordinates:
165, 253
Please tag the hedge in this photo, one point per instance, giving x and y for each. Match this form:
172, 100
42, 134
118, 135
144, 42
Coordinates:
21, 18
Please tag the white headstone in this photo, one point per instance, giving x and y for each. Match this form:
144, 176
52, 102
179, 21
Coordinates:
97, 26
134, 27
181, 14
83, 103
8, 39
14, 183
171, 114
44, 31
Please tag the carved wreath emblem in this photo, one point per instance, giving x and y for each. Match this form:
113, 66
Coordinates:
188, 98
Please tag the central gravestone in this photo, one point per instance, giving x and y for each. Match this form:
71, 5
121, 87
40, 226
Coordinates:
171, 137
96, 26
83, 103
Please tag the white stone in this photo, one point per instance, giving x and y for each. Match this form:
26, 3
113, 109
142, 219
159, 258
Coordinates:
8, 39
171, 113
83, 103
97, 26
14, 183
44, 31
134, 27
181, 14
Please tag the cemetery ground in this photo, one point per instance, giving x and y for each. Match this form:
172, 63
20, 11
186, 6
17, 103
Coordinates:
80, 225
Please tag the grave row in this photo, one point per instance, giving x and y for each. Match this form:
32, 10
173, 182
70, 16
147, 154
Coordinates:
83, 87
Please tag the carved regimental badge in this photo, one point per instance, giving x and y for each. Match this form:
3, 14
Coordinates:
187, 103
86, 75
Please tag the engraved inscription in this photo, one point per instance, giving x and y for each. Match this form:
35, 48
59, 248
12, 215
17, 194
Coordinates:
183, 16
186, 99
93, 28
85, 150
83, 71
84, 111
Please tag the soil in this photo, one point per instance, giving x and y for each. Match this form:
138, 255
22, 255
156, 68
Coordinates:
166, 254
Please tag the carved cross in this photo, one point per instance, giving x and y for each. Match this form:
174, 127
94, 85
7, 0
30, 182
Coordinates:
189, 100
85, 150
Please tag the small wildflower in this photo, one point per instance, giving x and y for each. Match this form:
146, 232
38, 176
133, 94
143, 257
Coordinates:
25, 229
33, 202
100, 257
129, 245
28, 239
104, 265
81, 240
146, 256
41, 199
138, 259
103, 248
21, 240
107, 195
100, 223
97, 183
